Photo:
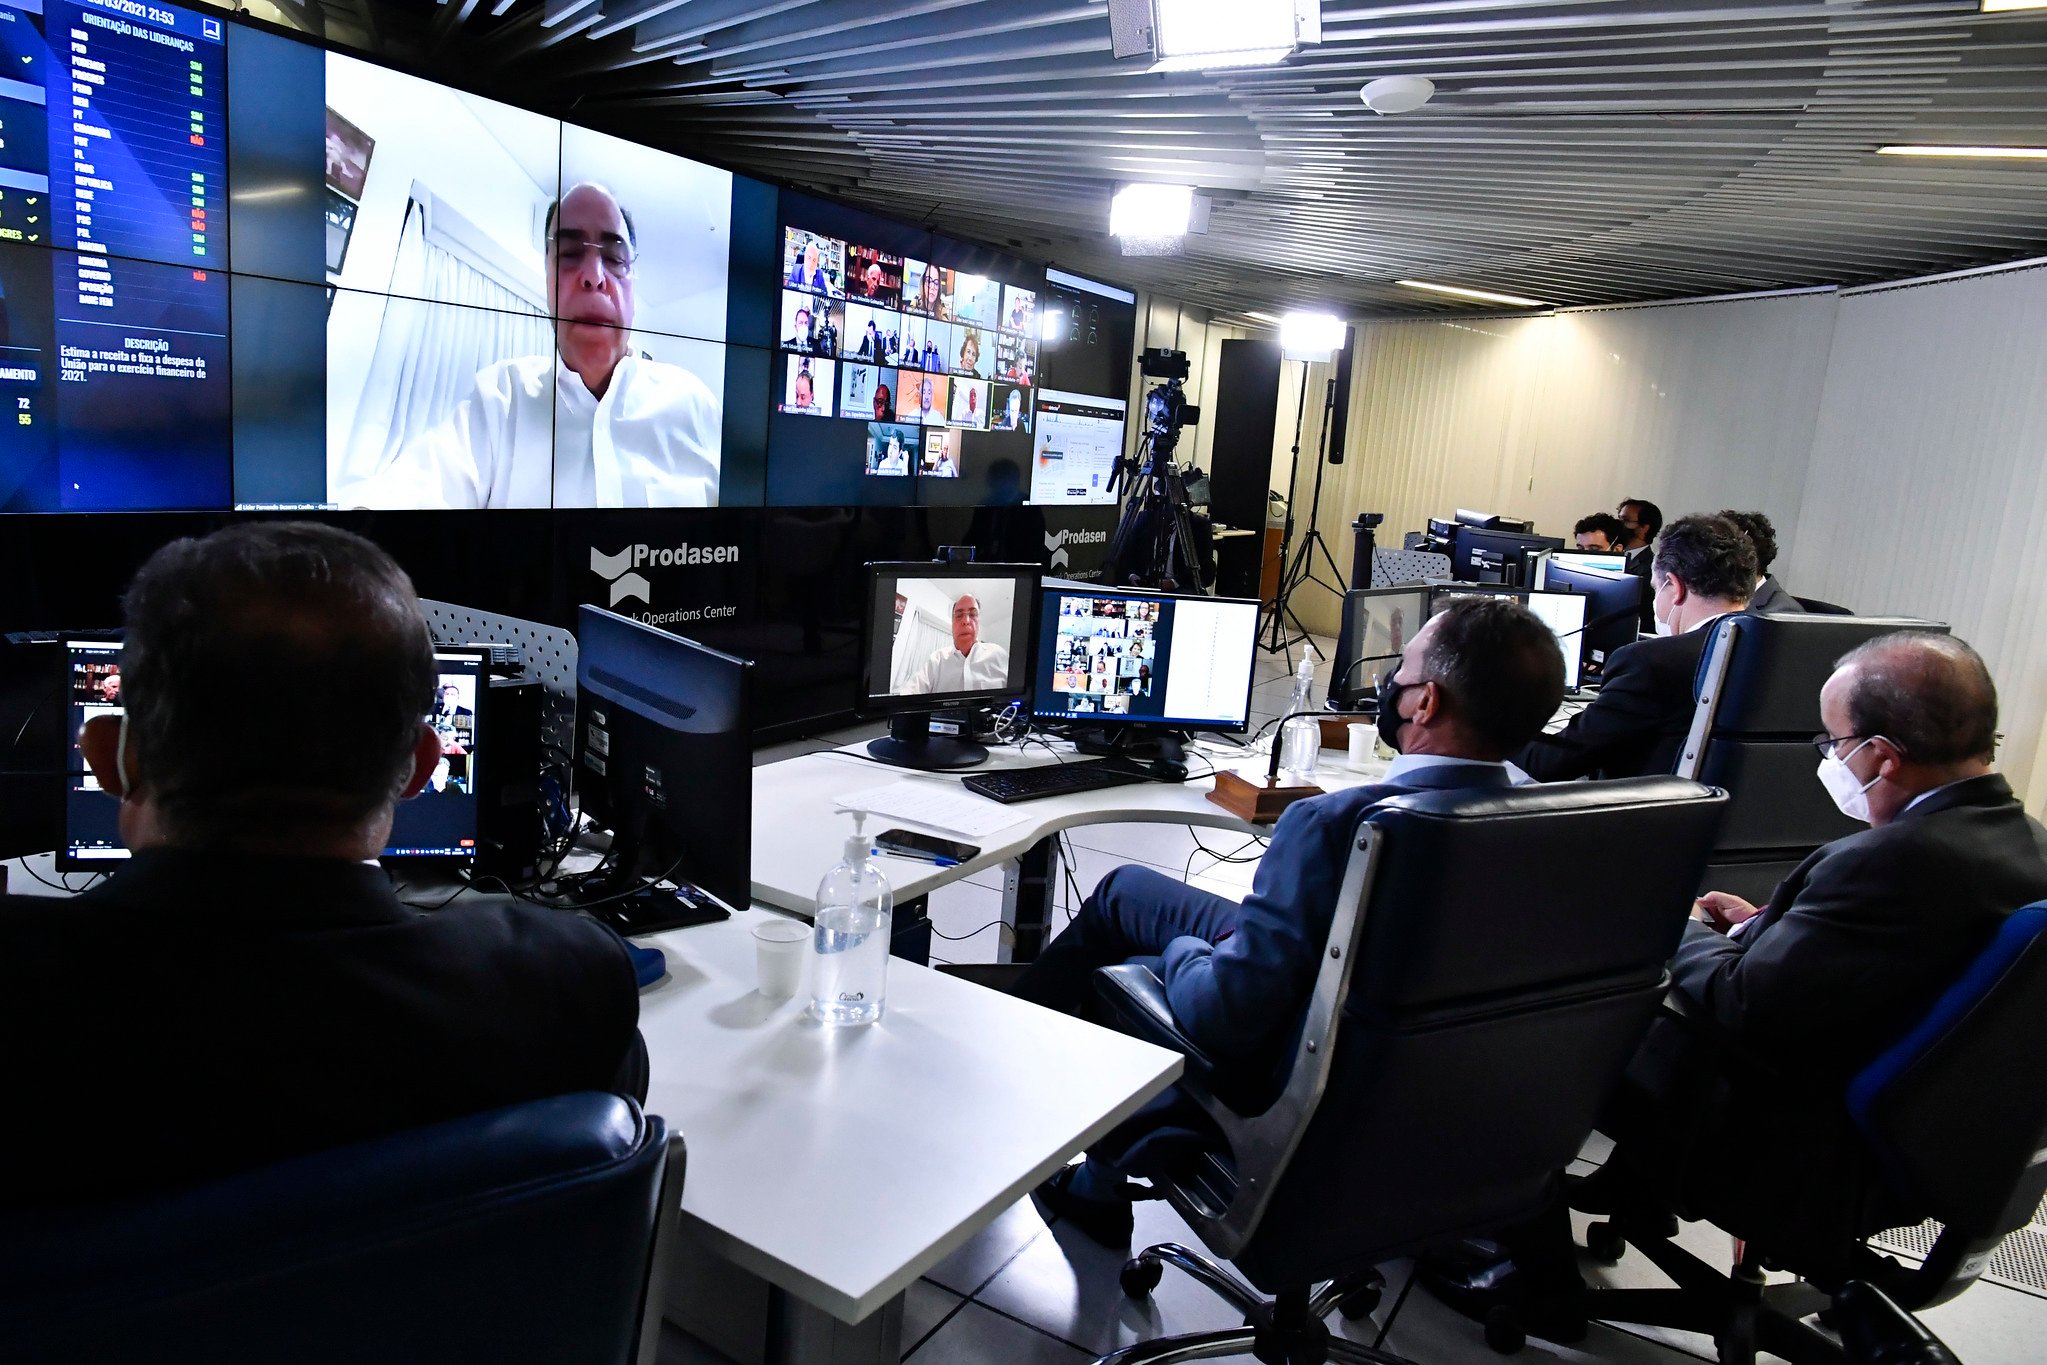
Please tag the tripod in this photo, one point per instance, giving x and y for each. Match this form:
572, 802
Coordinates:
1302, 569
1154, 545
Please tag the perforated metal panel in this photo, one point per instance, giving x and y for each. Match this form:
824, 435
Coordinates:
1396, 568
2020, 1262
549, 654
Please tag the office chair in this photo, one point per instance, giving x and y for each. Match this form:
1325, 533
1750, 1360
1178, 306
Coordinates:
527, 1234
1472, 1009
1757, 708
1950, 1122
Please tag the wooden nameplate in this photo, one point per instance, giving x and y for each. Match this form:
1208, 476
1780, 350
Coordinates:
1259, 802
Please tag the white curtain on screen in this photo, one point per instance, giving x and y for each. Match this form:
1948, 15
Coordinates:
427, 353
919, 634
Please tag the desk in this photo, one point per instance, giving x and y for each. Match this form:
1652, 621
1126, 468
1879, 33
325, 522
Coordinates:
799, 833
837, 1166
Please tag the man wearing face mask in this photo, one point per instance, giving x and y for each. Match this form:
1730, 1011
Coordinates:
1705, 568
1476, 681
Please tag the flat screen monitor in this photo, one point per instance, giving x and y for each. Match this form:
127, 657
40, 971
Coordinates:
1579, 559
1377, 624
1496, 556
440, 822
943, 637
1613, 608
1562, 612
1109, 657
664, 756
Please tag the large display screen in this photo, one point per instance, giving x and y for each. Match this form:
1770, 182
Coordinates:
238, 271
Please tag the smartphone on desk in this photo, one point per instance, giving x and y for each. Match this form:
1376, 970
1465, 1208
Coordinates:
927, 848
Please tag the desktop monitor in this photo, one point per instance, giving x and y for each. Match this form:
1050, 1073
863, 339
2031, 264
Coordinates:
1117, 659
940, 640
1484, 521
664, 760
1613, 607
440, 822
1615, 562
1496, 556
1562, 612
1377, 624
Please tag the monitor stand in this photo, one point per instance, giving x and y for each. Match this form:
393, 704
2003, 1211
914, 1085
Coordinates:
912, 743
1159, 750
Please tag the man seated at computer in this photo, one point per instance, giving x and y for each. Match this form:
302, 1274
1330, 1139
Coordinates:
1600, 533
1787, 1002
1643, 522
249, 986
1705, 568
1770, 595
969, 663
1473, 685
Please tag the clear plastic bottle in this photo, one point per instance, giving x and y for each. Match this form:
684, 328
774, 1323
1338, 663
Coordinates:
855, 913
1300, 738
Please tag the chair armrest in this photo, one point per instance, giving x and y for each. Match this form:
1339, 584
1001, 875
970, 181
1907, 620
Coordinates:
1137, 1005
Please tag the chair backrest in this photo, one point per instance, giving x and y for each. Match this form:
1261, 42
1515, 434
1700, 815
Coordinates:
1757, 707
1482, 989
1956, 1110
523, 1234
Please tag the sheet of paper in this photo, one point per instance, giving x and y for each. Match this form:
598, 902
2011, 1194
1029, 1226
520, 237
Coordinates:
945, 806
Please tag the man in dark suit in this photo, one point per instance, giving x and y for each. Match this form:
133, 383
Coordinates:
1770, 595
1641, 523
1635, 727
248, 987
1475, 682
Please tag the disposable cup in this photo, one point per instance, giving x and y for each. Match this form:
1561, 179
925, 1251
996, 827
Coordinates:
779, 947
1361, 737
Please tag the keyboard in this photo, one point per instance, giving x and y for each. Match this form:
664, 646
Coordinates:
1054, 779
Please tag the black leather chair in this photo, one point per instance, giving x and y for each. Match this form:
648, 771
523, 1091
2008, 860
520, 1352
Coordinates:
1815, 605
1479, 996
1758, 707
1949, 1123
526, 1234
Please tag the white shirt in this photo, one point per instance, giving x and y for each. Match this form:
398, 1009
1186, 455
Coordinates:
1403, 764
983, 668
531, 434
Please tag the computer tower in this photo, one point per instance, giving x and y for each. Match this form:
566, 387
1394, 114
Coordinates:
510, 831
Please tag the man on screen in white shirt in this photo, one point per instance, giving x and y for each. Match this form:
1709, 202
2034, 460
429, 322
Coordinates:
590, 426
968, 664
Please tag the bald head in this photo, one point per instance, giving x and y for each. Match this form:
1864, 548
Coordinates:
1930, 695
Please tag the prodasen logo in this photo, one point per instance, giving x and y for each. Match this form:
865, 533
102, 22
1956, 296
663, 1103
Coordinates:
1057, 541
621, 569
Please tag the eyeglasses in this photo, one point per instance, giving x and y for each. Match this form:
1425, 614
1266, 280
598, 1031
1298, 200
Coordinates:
573, 248
1825, 742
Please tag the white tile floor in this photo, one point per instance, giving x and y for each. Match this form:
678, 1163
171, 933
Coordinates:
1023, 1292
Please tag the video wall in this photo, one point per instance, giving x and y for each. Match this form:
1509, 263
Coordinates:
238, 271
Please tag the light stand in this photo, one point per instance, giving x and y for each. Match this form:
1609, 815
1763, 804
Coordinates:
1302, 569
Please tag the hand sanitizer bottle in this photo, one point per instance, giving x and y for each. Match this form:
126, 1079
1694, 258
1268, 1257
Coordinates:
855, 908
1300, 738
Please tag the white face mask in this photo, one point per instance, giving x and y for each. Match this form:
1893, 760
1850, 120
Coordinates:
1849, 793
1663, 626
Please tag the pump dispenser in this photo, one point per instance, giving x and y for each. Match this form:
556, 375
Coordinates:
855, 913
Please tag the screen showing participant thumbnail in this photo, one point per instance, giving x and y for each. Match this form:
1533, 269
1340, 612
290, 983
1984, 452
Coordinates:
807, 386
976, 299
891, 449
814, 263
873, 276
969, 404
927, 290
1011, 409
811, 325
921, 397
941, 454
863, 395
973, 353
1020, 311
1016, 359
955, 635
871, 334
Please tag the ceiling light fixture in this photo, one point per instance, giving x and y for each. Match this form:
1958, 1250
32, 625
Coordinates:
1151, 210
1979, 153
2003, 6
1310, 336
1400, 94
1209, 35
1475, 295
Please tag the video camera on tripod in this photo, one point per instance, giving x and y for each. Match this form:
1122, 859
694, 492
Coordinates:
1159, 541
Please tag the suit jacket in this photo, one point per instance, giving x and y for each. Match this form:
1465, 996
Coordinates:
1858, 942
202, 1014
1237, 998
1638, 563
1772, 597
1636, 725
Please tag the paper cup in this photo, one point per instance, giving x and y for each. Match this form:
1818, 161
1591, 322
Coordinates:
779, 948
1361, 737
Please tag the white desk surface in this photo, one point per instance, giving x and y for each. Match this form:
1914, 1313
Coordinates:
964, 1098
799, 832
